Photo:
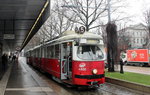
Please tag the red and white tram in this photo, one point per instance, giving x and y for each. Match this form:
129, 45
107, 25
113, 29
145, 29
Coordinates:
73, 58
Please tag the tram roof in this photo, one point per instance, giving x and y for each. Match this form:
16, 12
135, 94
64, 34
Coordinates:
72, 35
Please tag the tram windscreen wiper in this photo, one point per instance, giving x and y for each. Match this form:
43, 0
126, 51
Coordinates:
91, 53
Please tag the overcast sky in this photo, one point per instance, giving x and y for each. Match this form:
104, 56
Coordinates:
136, 9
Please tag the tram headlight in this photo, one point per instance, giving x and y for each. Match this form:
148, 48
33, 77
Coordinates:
94, 71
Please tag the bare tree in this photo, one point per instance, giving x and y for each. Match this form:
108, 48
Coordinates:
33, 42
102, 31
56, 24
124, 40
84, 12
147, 21
47, 30
87, 11
59, 22
90, 12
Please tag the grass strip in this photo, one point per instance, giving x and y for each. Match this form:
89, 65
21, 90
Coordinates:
131, 77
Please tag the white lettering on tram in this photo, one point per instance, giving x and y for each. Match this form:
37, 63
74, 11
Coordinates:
82, 67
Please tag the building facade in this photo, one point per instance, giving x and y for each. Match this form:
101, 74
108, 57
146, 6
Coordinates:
137, 34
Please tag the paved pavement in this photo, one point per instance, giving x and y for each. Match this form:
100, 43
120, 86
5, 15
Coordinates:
137, 69
4, 80
22, 80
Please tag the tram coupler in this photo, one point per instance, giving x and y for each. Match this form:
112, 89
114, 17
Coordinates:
94, 82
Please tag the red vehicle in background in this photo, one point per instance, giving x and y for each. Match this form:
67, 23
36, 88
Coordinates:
138, 57
73, 58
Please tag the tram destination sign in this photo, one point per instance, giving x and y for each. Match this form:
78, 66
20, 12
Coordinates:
9, 36
18, 48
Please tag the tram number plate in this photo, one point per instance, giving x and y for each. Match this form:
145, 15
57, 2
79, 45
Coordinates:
82, 69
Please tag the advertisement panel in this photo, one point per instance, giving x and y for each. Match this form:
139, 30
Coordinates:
137, 55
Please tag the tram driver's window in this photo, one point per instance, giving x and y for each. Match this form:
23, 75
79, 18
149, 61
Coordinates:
80, 50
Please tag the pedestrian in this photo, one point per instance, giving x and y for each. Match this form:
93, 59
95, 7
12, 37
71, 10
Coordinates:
9, 57
121, 66
4, 60
14, 58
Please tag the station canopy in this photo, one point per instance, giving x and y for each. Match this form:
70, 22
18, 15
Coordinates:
20, 20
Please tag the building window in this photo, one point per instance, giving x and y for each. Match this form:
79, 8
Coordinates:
133, 40
137, 40
144, 40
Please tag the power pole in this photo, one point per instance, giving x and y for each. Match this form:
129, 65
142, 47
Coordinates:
108, 9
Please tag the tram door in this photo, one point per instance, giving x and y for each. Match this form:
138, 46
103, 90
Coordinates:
65, 55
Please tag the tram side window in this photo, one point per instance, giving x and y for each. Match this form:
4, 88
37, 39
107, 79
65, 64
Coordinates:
27, 54
45, 52
50, 52
57, 51
31, 53
38, 52
34, 53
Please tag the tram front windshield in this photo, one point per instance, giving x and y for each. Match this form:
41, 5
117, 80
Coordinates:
90, 52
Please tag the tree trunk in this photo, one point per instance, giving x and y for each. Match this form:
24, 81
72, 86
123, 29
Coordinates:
112, 44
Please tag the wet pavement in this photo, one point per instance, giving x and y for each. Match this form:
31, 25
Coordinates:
2, 72
24, 80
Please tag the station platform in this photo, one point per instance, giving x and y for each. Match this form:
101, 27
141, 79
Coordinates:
20, 79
